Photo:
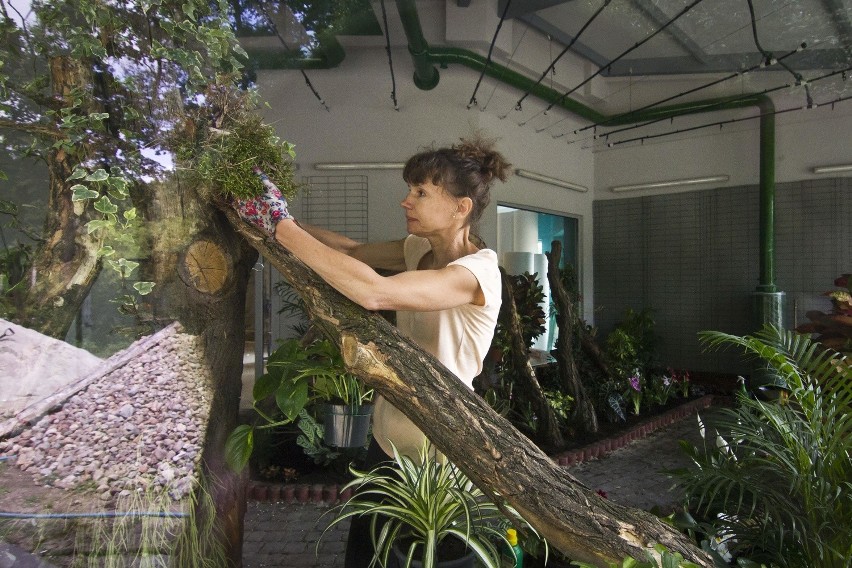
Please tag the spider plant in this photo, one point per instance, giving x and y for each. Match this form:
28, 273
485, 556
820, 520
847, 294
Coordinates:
775, 478
419, 503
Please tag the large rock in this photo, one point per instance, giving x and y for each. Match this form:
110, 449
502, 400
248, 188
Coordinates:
34, 366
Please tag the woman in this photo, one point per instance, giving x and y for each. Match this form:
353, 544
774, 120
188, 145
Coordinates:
446, 290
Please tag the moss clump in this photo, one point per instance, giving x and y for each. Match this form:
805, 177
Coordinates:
229, 157
223, 139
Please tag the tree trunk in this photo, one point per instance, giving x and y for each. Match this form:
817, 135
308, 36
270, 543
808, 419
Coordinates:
498, 458
583, 415
548, 432
201, 268
66, 264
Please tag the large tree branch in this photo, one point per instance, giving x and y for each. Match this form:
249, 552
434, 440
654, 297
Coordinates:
34, 128
575, 520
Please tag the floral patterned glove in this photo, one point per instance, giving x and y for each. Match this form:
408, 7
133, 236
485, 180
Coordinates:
265, 210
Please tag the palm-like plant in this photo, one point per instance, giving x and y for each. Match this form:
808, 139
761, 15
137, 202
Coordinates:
775, 480
419, 503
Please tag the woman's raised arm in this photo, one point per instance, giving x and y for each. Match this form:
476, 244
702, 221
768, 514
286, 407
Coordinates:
386, 255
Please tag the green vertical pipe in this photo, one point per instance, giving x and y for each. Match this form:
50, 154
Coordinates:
767, 196
425, 74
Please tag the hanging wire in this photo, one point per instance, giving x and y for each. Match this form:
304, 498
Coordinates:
508, 64
390, 59
287, 47
635, 46
727, 101
768, 56
618, 117
722, 123
563, 52
472, 100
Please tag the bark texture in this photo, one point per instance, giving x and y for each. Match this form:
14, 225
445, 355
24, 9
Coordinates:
548, 432
583, 415
66, 264
181, 220
497, 457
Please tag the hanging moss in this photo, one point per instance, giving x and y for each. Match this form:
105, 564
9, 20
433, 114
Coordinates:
229, 159
223, 141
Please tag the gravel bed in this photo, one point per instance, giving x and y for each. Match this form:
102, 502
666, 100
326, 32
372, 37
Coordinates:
139, 428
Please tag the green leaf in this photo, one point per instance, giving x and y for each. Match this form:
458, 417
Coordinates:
78, 173
123, 266
144, 288
106, 250
99, 174
93, 226
266, 385
130, 214
105, 206
291, 398
82, 193
239, 446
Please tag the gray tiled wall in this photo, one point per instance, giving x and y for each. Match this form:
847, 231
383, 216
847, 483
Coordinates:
693, 258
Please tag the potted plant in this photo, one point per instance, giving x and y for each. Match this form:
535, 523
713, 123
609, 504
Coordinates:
347, 406
427, 513
298, 376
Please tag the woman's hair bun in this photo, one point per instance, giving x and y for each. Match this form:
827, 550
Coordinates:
482, 150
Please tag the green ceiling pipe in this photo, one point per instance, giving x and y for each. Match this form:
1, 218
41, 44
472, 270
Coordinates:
425, 74
448, 55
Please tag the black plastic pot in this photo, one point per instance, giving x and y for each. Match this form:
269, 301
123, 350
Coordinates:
465, 561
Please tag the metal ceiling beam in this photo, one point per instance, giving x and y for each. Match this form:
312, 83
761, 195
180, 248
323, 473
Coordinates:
838, 15
523, 8
660, 18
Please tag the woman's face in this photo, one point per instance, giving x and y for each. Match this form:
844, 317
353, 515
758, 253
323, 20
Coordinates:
429, 209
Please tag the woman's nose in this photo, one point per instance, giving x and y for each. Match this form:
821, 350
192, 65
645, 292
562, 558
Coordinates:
405, 203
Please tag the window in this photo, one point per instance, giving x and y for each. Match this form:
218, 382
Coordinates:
523, 236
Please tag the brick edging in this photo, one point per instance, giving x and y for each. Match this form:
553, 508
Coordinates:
601, 448
331, 494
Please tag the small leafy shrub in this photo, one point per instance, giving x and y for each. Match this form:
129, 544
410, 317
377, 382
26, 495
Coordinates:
297, 376
774, 477
632, 345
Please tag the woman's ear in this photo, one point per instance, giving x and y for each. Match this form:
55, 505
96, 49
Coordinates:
465, 206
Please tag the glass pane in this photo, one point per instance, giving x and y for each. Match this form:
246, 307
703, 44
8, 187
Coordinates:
523, 236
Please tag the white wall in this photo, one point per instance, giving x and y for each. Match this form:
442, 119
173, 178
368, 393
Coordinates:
361, 125
804, 139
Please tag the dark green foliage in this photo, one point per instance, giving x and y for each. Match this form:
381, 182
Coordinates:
775, 477
297, 376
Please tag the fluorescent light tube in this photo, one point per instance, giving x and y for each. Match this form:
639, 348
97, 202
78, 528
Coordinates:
551, 180
833, 169
670, 183
360, 166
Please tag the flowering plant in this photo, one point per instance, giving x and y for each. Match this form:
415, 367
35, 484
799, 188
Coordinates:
663, 386
635, 391
680, 378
